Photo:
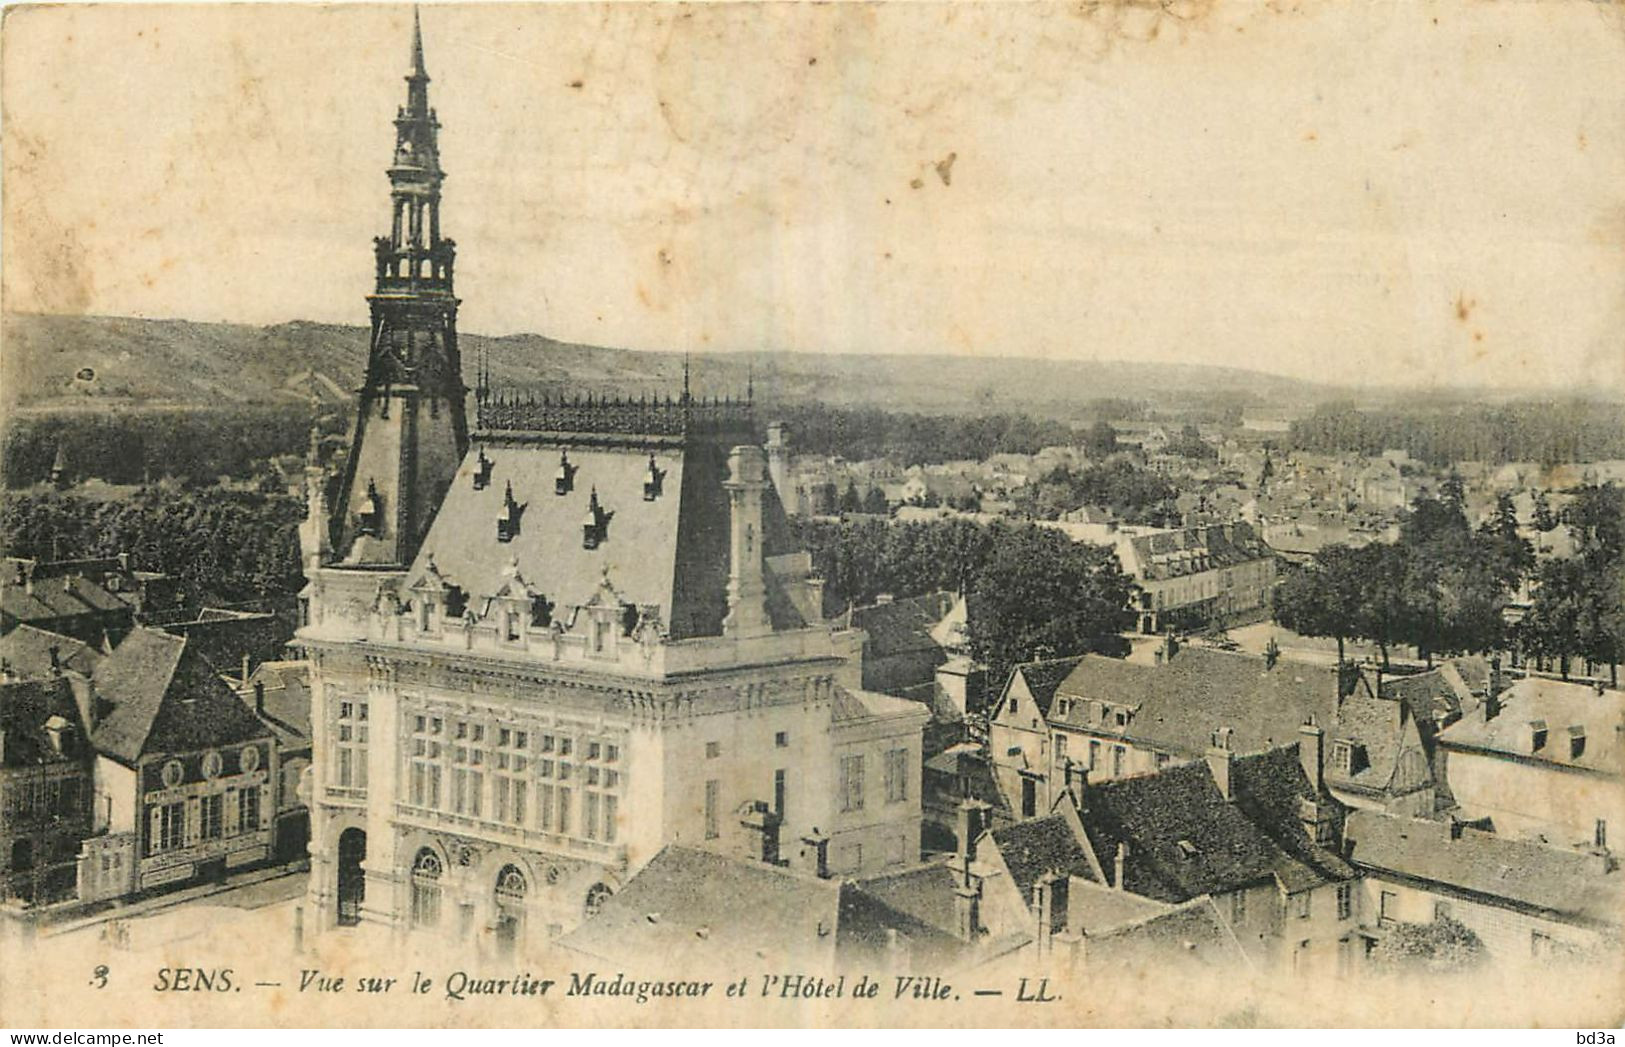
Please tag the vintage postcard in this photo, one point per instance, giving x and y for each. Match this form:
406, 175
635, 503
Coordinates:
862, 514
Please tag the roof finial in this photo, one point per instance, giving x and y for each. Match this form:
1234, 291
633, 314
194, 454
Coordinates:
750, 382
686, 366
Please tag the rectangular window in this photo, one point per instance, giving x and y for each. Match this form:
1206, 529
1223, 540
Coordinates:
1303, 898
171, 826
781, 740
1094, 754
210, 813
1118, 752
589, 820
712, 826
896, 775
423, 783
248, 810
852, 783
1060, 749
778, 793
509, 777
564, 810
1345, 900
713, 750
544, 804
1387, 906
350, 732
611, 814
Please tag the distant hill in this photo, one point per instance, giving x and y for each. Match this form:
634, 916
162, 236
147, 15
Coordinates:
65, 362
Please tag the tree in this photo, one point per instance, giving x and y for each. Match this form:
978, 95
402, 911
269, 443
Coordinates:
1100, 440
874, 501
1323, 599
1445, 945
1040, 594
851, 501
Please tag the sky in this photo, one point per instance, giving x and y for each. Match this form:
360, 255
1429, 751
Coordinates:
1375, 193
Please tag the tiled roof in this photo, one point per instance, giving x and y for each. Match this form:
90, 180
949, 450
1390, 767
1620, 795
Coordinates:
1182, 701
1189, 935
687, 907
28, 652
1185, 839
671, 551
1036, 846
1096, 909
58, 596
903, 626
1169, 554
1563, 707
287, 699
1042, 678
26, 707
924, 892
1571, 884
166, 699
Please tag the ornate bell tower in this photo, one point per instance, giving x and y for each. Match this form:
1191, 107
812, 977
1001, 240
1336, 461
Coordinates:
411, 430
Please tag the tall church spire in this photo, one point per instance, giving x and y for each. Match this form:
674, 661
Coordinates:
410, 429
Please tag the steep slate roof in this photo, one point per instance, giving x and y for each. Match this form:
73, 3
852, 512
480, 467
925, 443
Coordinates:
1042, 678
1187, 550
672, 552
1036, 846
58, 596
1563, 707
287, 700
25, 708
1192, 934
165, 699
1571, 885
1185, 839
27, 651
903, 626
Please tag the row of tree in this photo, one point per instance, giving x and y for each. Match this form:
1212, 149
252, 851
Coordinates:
1443, 587
222, 546
1032, 592
860, 433
1551, 433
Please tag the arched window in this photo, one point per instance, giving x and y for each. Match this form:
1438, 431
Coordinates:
510, 897
426, 870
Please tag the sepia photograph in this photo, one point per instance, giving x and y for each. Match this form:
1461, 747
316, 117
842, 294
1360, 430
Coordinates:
965, 515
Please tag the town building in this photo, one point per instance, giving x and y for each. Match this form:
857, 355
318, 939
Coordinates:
1196, 575
543, 650
1117, 719
1542, 759
45, 790
901, 651
1019, 734
96, 601
279, 694
1525, 901
184, 771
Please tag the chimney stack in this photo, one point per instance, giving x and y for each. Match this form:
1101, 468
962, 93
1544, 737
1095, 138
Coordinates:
970, 827
1077, 780
1312, 752
259, 697
747, 585
56, 658
818, 844
1120, 866
1043, 912
1272, 654
1220, 759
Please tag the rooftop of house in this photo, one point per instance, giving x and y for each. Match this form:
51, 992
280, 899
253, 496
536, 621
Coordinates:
1192, 934
855, 706
663, 516
27, 653
1187, 550
1548, 722
1041, 679
287, 699
1572, 884
154, 694
64, 595
687, 907
1183, 838
40, 723
1179, 703
900, 627
1036, 847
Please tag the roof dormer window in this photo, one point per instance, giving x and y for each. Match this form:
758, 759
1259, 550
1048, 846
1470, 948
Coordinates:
595, 524
482, 471
370, 518
1537, 735
564, 480
508, 518
1577, 741
653, 481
